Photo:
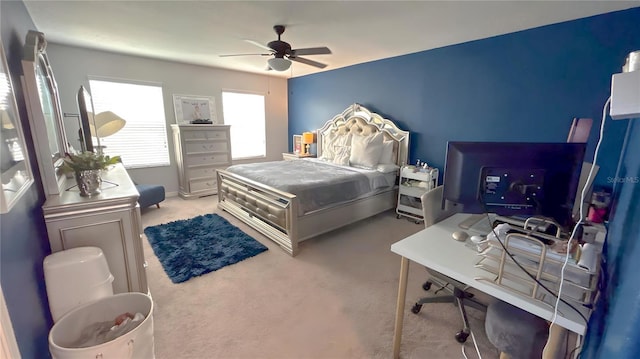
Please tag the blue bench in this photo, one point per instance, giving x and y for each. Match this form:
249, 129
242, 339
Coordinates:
150, 195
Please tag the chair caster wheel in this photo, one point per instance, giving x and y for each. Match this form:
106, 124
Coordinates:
416, 308
426, 285
398, 216
461, 336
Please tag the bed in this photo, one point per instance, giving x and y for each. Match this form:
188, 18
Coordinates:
354, 144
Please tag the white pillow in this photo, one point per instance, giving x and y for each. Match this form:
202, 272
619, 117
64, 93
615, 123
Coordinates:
387, 153
331, 141
341, 155
366, 150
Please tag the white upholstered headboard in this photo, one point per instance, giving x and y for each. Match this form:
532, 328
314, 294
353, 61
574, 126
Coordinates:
357, 119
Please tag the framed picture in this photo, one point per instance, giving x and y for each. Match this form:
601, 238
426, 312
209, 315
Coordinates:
194, 109
14, 159
297, 144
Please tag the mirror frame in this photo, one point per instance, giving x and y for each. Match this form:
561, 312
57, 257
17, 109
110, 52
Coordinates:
18, 178
47, 129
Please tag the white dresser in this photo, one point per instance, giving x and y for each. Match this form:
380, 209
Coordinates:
200, 150
110, 221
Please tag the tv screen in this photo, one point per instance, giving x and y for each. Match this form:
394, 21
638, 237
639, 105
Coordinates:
514, 179
85, 107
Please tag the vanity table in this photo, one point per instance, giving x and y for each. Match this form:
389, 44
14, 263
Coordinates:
109, 220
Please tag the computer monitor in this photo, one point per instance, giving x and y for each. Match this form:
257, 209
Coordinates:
85, 107
514, 179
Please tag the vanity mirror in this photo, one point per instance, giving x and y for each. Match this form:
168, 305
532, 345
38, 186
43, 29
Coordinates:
14, 159
45, 115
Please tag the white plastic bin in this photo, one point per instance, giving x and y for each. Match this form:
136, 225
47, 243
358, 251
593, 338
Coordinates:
138, 343
74, 277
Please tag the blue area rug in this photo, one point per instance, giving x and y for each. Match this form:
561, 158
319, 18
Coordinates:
193, 247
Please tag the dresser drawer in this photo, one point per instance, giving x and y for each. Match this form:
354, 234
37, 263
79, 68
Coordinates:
209, 184
201, 172
207, 159
204, 135
206, 146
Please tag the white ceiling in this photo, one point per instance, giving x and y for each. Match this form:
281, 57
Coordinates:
197, 32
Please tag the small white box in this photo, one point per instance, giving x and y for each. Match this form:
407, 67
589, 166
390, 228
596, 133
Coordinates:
625, 95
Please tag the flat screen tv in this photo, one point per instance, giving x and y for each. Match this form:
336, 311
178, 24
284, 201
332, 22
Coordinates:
514, 179
85, 108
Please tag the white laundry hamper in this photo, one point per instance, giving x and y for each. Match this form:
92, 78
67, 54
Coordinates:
138, 343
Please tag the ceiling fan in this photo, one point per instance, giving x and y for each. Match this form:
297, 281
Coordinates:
283, 54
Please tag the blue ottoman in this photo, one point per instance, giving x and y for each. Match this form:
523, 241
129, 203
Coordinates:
150, 194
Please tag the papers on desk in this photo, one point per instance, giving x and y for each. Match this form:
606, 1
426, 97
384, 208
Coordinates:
542, 263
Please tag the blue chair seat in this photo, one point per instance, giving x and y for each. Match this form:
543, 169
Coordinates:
150, 195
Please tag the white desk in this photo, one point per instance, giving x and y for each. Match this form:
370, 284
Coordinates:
434, 248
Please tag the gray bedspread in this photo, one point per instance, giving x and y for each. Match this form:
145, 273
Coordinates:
316, 184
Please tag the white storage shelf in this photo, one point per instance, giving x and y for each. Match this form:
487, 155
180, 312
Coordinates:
413, 184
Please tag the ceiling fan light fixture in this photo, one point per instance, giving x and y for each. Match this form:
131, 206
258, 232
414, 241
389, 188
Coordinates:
279, 63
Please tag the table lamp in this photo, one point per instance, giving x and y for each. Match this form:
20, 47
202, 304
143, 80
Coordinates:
307, 140
105, 124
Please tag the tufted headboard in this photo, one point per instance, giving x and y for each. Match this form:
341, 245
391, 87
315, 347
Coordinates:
357, 119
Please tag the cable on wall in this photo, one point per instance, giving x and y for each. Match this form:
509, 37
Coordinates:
582, 214
580, 221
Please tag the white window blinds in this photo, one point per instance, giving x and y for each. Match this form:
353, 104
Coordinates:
142, 142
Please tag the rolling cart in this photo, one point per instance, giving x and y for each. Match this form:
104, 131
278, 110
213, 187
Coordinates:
414, 182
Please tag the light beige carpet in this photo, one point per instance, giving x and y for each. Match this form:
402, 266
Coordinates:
336, 299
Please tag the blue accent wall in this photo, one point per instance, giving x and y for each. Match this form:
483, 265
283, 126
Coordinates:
23, 238
613, 330
523, 86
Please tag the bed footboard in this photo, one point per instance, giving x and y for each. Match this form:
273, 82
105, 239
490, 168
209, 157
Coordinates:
269, 211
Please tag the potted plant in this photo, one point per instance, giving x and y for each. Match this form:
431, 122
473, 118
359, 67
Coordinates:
87, 167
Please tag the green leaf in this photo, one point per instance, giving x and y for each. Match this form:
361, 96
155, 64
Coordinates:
87, 161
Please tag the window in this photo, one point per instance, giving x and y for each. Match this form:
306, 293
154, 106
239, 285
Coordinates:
245, 113
142, 142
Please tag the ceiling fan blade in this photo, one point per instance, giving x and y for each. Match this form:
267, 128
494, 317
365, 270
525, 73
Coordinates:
311, 51
307, 61
229, 55
259, 45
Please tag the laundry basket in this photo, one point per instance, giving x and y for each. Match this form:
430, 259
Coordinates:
137, 343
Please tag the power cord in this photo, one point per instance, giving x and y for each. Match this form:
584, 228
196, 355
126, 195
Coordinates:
580, 221
475, 344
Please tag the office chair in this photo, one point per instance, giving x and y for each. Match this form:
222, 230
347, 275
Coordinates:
433, 213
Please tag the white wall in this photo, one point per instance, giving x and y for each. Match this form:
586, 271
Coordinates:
73, 65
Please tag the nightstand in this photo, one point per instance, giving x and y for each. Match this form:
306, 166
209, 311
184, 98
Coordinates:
289, 156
